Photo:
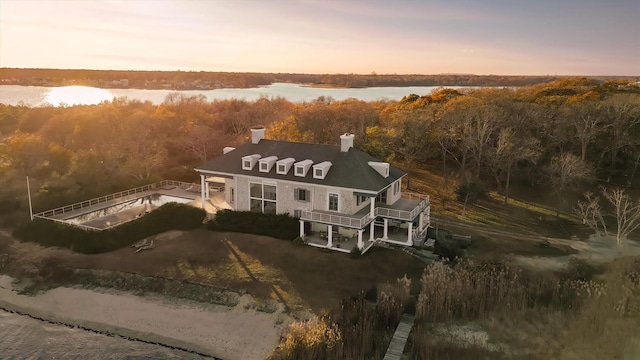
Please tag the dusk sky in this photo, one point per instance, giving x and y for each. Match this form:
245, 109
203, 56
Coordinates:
510, 37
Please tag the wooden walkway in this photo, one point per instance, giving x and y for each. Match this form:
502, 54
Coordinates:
399, 340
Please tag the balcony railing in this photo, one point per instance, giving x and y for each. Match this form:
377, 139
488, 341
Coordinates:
355, 222
335, 219
405, 214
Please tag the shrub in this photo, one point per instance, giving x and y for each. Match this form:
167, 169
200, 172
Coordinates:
171, 216
470, 191
9, 205
299, 241
447, 248
356, 252
280, 226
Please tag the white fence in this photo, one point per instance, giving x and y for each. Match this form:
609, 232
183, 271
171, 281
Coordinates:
335, 219
83, 204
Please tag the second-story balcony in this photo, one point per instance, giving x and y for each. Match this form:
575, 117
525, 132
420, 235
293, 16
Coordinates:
407, 208
356, 221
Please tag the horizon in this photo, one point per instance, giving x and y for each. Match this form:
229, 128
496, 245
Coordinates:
547, 38
311, 73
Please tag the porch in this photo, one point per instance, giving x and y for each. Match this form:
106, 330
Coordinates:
339, 242
345, 243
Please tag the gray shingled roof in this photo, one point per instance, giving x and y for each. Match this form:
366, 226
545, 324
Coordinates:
349, 169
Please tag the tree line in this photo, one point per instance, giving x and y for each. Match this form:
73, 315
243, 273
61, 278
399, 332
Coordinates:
209, 80
560, 133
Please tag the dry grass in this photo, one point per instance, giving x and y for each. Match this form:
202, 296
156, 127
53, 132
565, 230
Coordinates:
357, 330
538, 316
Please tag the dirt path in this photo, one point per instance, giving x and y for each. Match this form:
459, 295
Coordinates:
536, 251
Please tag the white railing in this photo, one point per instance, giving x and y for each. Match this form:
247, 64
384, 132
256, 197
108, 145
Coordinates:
364, 220
335, 219
405, 214
79, 205
85, 227
414, 196
181, 184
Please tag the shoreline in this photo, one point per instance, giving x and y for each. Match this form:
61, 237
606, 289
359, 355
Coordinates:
210, 330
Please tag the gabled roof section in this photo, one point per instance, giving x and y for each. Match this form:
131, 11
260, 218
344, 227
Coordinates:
348, 169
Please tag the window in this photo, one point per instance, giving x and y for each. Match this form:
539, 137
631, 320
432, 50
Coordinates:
262, 198
333, 202
382, 197
396, 187
301, 195
299, 170
318, 173
264, 166
281, 169
233, 195
360, 199
246, 165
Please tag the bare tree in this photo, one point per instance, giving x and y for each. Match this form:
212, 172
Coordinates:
590, 212
627, 213
585, 117
621, 114
564, 172
510, 148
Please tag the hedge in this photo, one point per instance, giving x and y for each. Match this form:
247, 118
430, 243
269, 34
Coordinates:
170, 216
280, 226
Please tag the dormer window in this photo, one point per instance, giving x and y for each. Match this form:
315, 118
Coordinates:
302, 167
320, 170
267, 163
249, 161
283, 166
381, 167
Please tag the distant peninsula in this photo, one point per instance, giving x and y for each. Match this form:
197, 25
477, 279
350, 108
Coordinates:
205, 80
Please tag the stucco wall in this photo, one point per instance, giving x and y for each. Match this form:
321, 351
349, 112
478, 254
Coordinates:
286, 197
242, 193
286, 202
391, 198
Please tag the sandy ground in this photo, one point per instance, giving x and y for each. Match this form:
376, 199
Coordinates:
227, 333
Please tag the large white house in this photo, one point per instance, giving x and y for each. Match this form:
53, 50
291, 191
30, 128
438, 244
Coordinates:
342, 196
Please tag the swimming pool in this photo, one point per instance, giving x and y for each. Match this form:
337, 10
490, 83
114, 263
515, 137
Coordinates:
124, 211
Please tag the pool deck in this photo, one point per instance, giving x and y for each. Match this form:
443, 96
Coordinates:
214, 203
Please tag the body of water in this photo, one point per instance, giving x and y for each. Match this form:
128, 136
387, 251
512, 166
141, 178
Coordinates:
83, 95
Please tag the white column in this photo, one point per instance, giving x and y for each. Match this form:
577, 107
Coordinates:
373, 207
360, 244
410, 233
421, 222
301, 228
206, 184
371, 230
385, 233
330, 235
202, 189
